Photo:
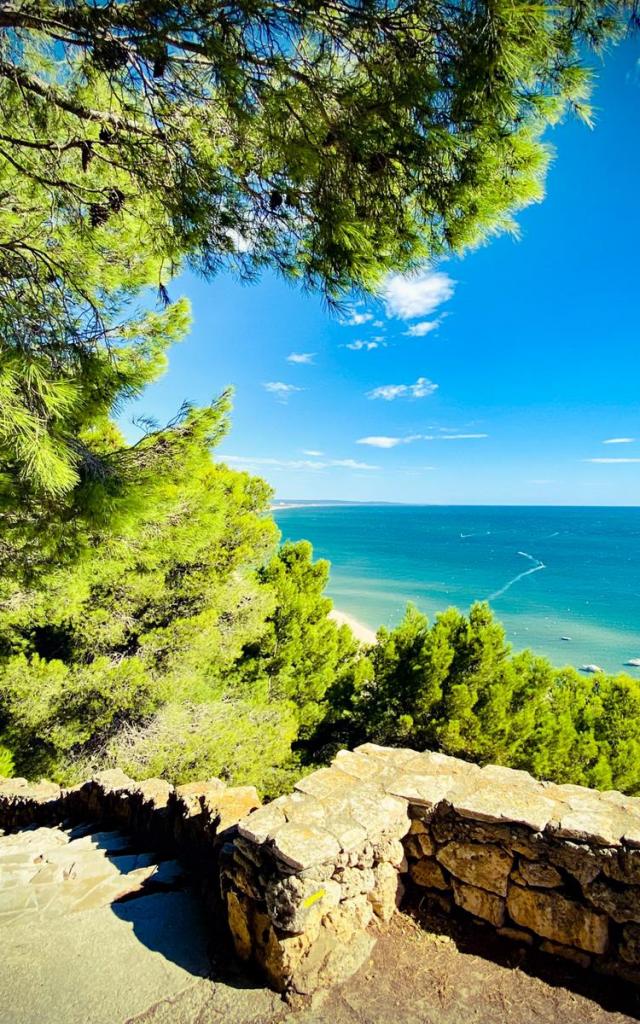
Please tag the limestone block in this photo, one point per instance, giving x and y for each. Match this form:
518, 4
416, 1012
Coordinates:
579, 861
630, 944
536, 873
554, 917
190, 796
479, 902
380, 814
620, 904
387, 893
326, 783
239, 920
624, 867
429, 874
350, 835
478, 864
358, 765
227, 808
391, 851
354, 881
302, 846
292, 901
516, 935
421, 790
566, 952
418, 827
258, 826
518, 803
419, 845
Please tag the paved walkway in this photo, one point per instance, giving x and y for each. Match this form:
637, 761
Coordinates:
94, 931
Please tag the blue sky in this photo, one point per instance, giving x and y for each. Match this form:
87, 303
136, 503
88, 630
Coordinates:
528, 365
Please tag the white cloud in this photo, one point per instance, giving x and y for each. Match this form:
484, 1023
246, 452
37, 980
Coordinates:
368, 346
424, 327
253, 462
280, 389
304, 358
619, 440
312, 452
355, 319
411, 296
388, 392
609, 461
382, 441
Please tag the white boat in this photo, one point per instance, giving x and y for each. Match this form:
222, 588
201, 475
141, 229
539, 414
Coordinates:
565, 638
590, 668
633, 661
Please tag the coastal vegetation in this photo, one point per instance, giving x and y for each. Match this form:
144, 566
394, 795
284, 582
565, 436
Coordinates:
148, 616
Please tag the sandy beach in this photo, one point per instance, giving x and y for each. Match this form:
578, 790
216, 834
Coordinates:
359, 630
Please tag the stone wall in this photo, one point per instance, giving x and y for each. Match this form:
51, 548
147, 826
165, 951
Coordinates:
309, 875
308, 880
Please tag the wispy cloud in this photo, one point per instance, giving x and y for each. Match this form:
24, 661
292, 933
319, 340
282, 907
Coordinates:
312, 452
410, 296
388, 392
619, 440
367, 346
382, 441
257, 462
304, 358
356, 319
281, 390
424, 327
610, 461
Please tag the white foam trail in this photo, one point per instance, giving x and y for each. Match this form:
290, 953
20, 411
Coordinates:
487, 533
536, 568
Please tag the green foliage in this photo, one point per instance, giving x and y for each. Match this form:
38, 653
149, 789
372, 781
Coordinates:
455, 686
175, 639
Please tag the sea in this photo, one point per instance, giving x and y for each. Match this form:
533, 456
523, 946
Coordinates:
564, 582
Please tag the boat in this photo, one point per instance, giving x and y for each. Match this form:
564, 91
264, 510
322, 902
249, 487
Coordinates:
633, 661
590, 668
565, 638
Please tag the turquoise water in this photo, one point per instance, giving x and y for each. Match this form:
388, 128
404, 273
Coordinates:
548, 572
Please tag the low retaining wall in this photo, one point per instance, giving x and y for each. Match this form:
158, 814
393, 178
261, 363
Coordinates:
557, 867
308, 879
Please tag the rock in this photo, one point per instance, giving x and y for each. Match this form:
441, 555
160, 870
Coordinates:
391, 851
261, 824
621, 905
387, 893
579, 861
421, 790
302, 846
429, 874
292, 901
625, 867
522, 804
418, 827
479, 902
355, 881
191, 795
230, 806
630, 944
478, 864
420, 845
516, 935
544, 876
554, 917
351, 836
326, 784
566, 952
239, 920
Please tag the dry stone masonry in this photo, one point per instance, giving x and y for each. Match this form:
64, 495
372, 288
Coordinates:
308, 880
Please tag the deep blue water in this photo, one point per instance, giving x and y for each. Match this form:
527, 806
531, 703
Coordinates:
548, 572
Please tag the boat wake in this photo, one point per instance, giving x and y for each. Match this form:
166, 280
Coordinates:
538, 565
485, 533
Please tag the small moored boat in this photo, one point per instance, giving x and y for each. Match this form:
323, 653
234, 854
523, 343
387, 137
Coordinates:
633, 661
590, 668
